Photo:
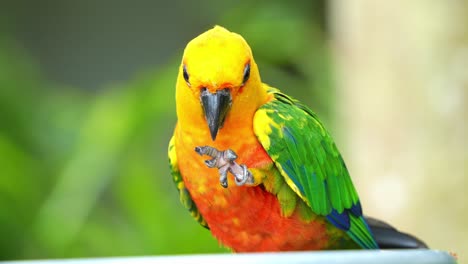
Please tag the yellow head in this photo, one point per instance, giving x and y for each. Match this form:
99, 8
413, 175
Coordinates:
218, 81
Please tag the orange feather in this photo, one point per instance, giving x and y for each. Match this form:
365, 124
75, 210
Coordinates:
247, 218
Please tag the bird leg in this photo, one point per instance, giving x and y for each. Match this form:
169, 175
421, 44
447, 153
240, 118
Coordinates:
225, 162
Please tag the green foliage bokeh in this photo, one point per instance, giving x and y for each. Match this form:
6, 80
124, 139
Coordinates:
85, 174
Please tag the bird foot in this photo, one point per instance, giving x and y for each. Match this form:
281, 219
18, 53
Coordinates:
225, 162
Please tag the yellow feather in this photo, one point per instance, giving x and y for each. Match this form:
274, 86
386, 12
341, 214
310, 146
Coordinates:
262, 127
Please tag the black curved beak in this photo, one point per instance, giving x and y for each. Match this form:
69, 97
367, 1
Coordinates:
216, 106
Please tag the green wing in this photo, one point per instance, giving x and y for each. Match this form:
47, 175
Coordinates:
184, 194
311, 164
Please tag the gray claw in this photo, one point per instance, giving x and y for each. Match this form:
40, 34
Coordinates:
244, 177
199, 150
224, 161
211, 163
230, 155
223, 177
224, 184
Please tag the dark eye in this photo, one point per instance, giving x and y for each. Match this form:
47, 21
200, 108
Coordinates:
246, 73
186, 76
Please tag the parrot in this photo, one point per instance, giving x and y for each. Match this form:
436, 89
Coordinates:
290, 189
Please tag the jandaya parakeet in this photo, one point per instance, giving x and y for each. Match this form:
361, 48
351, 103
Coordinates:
275, 180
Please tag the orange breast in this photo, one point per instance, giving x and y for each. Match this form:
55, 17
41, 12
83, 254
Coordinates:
245, 218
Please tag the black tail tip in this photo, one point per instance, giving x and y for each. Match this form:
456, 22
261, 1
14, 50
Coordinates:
388, 237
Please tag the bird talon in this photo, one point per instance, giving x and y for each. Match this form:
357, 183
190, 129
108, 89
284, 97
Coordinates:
245, 177
223, 177
230, 155
199, 150
211, 163
224, 161
224, 183
240, 181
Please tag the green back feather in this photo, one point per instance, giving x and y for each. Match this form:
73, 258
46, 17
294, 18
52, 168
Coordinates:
312, 166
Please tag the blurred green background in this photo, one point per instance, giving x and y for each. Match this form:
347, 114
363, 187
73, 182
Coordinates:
87, 108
